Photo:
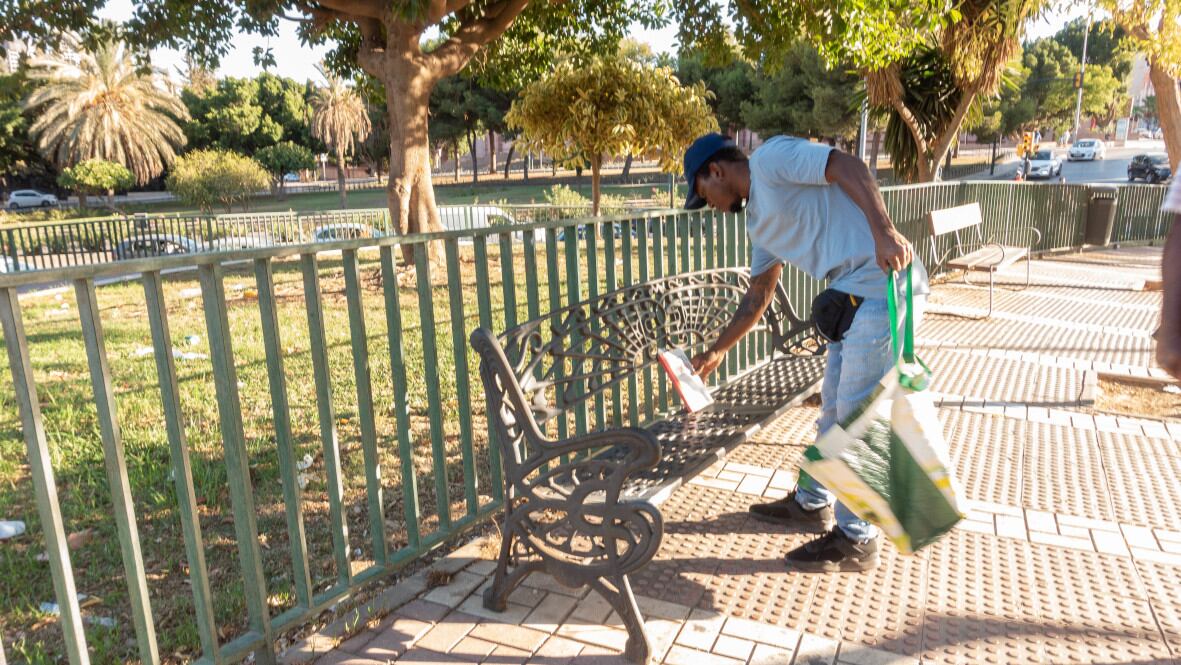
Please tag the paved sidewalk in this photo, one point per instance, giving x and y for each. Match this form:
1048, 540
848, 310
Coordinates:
1071, 553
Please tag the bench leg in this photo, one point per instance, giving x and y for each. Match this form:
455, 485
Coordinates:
504, 582
623, 601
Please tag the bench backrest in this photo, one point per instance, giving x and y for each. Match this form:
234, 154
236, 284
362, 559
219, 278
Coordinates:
951, 220
568, 357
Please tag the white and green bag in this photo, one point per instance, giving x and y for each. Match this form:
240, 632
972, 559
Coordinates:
888, 462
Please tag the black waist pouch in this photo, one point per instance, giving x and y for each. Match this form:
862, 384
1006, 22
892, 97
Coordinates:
833, 312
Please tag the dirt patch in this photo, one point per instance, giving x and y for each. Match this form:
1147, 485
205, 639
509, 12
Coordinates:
1157, 401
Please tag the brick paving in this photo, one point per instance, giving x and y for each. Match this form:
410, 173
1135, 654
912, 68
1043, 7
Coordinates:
1071, 552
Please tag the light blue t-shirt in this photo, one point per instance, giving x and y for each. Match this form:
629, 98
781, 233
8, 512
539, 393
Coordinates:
794, 215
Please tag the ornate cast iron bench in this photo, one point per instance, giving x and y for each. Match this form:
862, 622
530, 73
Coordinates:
581, 508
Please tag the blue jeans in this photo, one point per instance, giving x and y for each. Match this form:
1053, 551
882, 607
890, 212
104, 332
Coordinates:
854, 367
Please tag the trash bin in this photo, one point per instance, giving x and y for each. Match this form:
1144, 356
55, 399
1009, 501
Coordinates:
1100, 214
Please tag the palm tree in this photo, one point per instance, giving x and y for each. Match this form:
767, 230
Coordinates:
339, 119
98, 104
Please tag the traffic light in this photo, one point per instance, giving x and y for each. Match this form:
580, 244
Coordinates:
1078, 80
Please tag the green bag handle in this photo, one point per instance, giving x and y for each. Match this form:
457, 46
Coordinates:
912, 379
908, 333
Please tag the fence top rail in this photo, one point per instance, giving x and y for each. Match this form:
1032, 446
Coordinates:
180, 261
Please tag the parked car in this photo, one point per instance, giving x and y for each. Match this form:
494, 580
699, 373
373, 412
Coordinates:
1151, 168
291, 177
155, 244
8, 264
1088, 149
30, 198
344, 231
1043, 164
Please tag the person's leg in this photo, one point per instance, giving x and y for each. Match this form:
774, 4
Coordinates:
810, 494
867, 355
868, 341
808, 506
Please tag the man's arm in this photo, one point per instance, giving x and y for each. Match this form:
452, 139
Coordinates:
756, 301
1168, 343
854, 178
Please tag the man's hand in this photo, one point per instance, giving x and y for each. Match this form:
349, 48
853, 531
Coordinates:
893, 250
1168, 353
706, 362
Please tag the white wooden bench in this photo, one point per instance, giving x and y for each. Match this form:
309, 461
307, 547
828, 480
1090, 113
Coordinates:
969, 251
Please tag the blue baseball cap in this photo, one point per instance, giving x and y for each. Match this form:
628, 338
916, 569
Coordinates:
696, 157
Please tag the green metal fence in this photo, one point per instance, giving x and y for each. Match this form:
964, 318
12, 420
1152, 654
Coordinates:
273, 428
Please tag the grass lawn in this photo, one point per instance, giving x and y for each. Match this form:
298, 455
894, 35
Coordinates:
60, 368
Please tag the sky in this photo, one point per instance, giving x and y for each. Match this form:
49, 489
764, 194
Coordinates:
298, 61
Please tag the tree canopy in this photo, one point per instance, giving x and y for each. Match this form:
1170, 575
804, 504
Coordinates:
804, 96
611, 107
248, 114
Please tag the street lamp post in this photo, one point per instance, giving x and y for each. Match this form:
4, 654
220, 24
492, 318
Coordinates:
1082, 71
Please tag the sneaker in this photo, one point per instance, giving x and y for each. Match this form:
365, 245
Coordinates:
834, 552
788, 511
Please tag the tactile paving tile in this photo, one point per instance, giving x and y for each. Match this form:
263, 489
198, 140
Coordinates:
1145, 483
753, 581
978, 607
797, 427
1131, 260
700, 524
1003, 380
1062, 471
1092, 608
1053, 273
1164, 594
1047, 339
882, 608
1096, 310
1084, 294
987, 452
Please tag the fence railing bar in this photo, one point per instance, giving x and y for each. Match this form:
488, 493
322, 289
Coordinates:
41, 472
330, 442
430, 356
115, 462
284, 442
393, 313
462, 382
229, 407
365, 411
182, 470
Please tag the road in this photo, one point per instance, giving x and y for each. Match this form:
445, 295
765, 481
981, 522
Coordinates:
1113, 170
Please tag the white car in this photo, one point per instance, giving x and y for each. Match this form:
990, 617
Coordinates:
291, 177
1043, 164
155, 244
30, 198
1088, 149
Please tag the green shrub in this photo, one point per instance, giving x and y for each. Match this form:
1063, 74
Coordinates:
97, 177
571, 203
207, 178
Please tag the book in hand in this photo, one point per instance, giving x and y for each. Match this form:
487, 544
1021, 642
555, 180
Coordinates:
689, 386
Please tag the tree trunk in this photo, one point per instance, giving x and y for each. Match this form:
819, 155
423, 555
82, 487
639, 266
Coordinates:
627, 168
525, 166
457, 161
340, 179
509, 159
491, 152
471, 141
596, 173
945, 138
920, 143
873, 153
1168, 110
409, 193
